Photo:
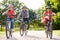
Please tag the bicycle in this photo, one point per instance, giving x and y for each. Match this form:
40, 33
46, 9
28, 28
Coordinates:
23, 29
48, 26
49, 30
8, 29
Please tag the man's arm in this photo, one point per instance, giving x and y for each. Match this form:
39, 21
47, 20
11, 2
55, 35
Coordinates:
53, 14
43, 14
15, 13
18, 16
27, 14
4, 13
42, 19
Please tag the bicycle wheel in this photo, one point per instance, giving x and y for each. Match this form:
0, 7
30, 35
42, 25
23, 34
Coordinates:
25, 29
50, 31
50, 35
8, 30
21, 29
47, 29
46, 33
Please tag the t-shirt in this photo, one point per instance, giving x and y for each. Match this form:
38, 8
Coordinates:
24, 13
11, 13
50, 15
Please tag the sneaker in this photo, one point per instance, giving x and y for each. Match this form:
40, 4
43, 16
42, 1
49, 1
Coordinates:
12, 30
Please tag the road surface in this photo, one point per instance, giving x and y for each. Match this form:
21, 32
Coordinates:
32, 35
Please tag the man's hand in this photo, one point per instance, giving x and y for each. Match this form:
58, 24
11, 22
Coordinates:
18, 16
53, 14
27, 16
4, 13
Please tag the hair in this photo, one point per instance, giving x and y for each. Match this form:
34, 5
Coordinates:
10, 5
24, 7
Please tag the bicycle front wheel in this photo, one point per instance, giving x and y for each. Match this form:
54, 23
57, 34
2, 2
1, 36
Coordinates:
8, 30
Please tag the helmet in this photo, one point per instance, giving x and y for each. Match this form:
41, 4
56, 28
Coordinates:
47, 7
10, 6
24, 7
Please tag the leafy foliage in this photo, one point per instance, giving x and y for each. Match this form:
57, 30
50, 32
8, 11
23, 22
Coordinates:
55, 5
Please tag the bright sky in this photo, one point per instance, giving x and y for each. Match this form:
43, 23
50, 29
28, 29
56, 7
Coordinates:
1, 0
33, 4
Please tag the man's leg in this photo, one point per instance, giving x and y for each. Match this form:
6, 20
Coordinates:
12, 24
28, 21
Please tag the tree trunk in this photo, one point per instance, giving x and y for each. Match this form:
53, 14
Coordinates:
1, 26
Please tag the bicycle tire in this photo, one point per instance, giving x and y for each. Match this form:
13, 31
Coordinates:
23, 28
49, 31
8, 31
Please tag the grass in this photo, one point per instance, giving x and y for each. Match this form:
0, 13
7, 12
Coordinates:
17, 28
57, 32
2, 33
38, 29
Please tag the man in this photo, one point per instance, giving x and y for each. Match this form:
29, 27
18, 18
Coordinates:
25, 15
47, 16
10, 15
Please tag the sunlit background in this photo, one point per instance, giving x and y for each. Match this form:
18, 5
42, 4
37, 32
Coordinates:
36, 9
33, 4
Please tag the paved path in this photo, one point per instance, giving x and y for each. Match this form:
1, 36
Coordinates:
32, 35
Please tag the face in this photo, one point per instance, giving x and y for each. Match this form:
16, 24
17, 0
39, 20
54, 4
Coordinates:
24, 9
48, 10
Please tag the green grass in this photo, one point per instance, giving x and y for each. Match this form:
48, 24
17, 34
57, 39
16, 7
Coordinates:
17, 28
2, 33
38, 29
57, 32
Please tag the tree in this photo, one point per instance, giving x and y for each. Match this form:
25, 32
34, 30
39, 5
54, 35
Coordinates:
55, 5
4, 6
32, 14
